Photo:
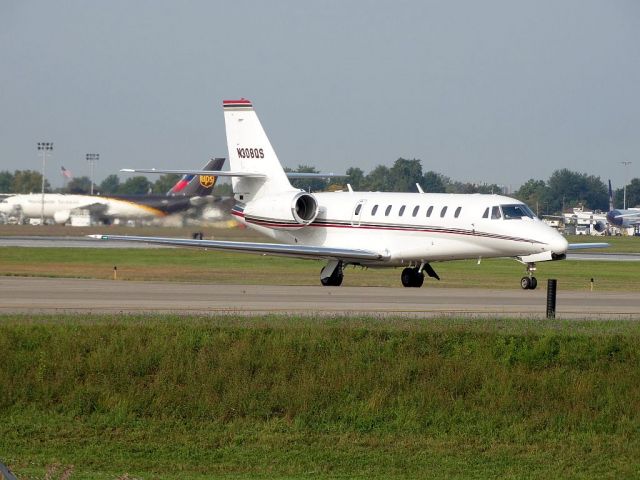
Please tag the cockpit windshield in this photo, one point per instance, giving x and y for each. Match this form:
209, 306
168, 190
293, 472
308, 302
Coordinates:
516, 211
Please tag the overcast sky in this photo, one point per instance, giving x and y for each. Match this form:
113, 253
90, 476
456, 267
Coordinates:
482, 91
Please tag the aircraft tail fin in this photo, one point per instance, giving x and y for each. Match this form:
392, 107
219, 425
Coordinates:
250, 151
610, 197
197, 185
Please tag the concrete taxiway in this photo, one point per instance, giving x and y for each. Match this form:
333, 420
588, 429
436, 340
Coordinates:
55, 295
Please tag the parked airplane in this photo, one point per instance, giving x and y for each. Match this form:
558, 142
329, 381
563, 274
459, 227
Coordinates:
371, 229
621, 218
188, 192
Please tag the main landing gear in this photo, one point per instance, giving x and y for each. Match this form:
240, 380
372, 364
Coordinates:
529, 282
331, 275
414, 276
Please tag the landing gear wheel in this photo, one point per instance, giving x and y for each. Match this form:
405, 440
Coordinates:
412, 277
332, 281
528, 283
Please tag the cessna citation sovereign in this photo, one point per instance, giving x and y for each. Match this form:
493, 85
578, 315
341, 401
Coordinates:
371, 229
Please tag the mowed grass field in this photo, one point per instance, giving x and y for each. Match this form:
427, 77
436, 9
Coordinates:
172, 397
196, 265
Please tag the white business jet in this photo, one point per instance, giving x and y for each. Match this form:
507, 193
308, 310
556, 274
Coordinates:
371, 229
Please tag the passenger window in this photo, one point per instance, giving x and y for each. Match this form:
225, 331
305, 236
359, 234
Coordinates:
457, 214
495, 213
402, 210
443, 212
415, 210
429, 210
374, 210
387, 211
358, 208
486, 213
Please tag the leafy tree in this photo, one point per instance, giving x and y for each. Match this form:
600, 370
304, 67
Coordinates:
29, 181
534, 193
138, 185
404, 174
378, 179
80, 185
110, 185
567, 188
433, 182
633, 195
356, 178
165, 182
6, 182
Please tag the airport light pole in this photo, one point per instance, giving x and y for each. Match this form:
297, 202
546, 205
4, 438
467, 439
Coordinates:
45, 148
92, 158
624, 201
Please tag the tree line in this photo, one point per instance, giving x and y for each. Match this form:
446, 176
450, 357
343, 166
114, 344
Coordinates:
564, 188
30, 181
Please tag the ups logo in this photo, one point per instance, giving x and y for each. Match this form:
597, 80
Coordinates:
207, 181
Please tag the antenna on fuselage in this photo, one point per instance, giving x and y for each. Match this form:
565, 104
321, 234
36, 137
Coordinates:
420, 190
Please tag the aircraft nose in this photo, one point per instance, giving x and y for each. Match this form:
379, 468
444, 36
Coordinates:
558, 244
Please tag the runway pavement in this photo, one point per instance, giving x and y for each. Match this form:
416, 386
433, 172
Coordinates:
55, 295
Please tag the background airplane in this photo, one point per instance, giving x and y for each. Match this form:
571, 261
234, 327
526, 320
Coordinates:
189, 192
621, 218
371, 229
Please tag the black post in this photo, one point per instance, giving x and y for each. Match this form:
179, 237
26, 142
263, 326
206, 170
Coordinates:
552, 285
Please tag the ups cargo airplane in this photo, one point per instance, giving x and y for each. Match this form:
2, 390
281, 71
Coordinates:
190, 191
371, 229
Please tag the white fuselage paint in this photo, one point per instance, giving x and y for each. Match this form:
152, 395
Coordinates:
58, 205
407, 239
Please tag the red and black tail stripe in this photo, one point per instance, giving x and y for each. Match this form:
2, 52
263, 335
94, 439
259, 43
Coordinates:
242, 104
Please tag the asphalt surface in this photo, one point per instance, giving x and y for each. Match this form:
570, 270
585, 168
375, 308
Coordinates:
55, 295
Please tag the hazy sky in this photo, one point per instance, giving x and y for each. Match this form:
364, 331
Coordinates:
483, 91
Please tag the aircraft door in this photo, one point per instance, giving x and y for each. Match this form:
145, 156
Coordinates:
356, 216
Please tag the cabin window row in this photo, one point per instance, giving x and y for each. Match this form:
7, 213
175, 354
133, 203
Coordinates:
414, 212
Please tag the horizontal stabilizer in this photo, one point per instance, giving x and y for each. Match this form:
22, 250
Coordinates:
314, 175
217, 173
298, 251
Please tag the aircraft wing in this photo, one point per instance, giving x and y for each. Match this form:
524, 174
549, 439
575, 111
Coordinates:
580, 246
279, 249
626, 215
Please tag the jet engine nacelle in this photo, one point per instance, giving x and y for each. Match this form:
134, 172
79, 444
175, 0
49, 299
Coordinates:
284, 211
600, 226
61, 216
